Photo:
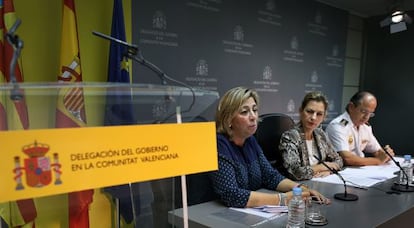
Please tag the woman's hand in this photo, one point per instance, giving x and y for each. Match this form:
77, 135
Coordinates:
322, 174
319, 196
320, 170
308, 193
332, 165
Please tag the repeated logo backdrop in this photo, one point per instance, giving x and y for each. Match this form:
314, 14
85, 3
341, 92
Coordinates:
281, 48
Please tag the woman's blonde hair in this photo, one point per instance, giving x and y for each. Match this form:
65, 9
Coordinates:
314, 96
229, 104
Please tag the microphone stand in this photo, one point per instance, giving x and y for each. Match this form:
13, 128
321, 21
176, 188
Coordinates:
17, 43
340, 196
135, 54
397, 186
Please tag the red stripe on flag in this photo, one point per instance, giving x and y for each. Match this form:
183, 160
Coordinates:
73, 100
8, 6
27, 209
70, 4
78, 208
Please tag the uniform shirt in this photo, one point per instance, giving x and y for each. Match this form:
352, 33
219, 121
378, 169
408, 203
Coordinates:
345, 136
242, 170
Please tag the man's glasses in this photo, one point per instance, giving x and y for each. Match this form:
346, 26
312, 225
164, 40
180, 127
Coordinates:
366, 113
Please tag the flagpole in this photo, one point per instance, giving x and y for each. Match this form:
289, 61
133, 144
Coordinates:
132, 204
117, 215
183, 180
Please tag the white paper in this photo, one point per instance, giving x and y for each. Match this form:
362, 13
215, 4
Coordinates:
364, 176
265, 211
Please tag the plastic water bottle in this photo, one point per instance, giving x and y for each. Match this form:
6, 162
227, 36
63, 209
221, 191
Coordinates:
296, 213
407, 166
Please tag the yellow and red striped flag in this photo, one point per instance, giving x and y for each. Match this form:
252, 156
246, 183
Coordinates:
13, 116
70, 111
17, 116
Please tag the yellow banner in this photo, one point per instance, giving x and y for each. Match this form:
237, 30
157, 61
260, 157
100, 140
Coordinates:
37, 163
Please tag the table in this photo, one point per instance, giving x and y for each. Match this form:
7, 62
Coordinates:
374, 208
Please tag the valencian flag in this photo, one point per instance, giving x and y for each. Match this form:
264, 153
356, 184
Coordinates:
70, 110
3, 97
21, 213
119, 110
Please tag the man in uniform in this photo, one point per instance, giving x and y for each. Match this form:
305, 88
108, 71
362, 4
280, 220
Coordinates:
351, 135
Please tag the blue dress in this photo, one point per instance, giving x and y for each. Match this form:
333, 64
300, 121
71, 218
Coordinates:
241, 170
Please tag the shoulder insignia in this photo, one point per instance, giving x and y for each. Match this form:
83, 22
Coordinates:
344, 122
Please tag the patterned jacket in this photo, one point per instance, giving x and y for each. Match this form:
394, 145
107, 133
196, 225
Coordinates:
295, 153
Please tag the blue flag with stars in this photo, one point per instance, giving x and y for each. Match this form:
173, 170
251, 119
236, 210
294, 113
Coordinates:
119, 109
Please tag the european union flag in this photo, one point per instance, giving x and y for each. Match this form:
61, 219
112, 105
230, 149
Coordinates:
119, 109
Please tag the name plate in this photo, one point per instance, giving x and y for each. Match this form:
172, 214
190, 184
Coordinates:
37, 163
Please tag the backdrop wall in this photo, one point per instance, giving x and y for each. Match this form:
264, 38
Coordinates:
283, 49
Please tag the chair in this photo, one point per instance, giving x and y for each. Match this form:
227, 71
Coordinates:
199, 189
269, 130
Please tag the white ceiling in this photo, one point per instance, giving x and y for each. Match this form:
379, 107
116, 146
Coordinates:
369, 8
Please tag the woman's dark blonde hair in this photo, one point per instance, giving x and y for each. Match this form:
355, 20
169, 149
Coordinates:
314, 96
229, 104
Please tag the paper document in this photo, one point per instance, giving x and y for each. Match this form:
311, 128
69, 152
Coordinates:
364, 176
265, 211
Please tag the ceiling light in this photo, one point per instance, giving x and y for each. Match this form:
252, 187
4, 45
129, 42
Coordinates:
397, 16
397, 21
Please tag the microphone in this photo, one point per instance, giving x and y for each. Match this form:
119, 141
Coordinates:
340, 196
13, 39
16, 94
132, 53
135, 54
131, 47
397, 186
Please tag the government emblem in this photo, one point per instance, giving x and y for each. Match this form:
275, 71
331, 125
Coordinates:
38, 167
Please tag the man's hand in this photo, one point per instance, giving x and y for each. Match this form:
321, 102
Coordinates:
389, 150
382, 156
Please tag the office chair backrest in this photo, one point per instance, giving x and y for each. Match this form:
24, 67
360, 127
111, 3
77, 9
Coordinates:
269, 130
199, 186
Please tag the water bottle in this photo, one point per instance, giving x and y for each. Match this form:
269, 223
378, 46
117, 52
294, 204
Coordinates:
407, 166
296, 213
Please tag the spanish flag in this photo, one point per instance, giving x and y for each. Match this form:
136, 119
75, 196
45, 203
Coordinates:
70, 111
13, 116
